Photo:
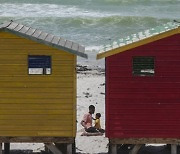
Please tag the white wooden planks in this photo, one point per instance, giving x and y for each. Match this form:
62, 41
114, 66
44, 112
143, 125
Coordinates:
19, 27
6, 24
55, 40
75, 46
62, 42
68, 44
42, 36
24, 29
30, 31
49, 38
12, 25
37, 33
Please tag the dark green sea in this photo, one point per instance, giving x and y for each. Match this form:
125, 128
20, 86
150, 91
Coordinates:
91, 23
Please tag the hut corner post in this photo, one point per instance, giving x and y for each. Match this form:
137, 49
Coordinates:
56, 148
6, 148
173, 149
53, 148
0, 148
136, 148
114, 149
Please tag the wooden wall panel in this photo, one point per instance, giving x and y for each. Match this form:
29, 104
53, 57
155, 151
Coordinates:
144, 107
35, 105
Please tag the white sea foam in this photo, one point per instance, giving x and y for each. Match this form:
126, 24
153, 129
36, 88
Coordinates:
94, 49
57, 10
46, 10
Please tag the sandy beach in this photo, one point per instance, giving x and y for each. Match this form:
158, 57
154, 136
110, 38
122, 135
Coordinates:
91, 90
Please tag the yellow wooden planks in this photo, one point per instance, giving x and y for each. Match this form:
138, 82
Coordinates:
56, 133
75, 99
33, 128
36, 95
38, 106
35, 105
23, 70
9, 62
6, 84
36, 133
37, 122
8, 35
18, 41
35, 101
34, 117
36, 90
34, 51
22, 73
24, 57
24, 67
37, 78
39, 112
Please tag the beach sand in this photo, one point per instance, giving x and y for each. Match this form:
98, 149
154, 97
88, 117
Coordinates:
91, 90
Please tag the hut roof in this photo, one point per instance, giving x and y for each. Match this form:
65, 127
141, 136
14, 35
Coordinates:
43, 38
139, 39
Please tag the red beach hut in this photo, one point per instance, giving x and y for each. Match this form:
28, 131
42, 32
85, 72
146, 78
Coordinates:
143, 87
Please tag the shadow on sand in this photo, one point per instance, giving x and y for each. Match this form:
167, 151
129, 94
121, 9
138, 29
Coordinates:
26, 152
42, 152
151, 149
147, 149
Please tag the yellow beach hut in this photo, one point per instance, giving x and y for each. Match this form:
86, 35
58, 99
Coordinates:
37, 86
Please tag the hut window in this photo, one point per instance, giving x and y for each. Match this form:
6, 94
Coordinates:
143, 66
39, 65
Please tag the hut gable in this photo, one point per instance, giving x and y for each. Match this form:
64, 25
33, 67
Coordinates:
43, 38
143, 87
140, 39
37, 83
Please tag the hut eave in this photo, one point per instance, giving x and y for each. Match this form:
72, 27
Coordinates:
43, 38
139, 39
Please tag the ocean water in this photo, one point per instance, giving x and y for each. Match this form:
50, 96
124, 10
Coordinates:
92, 23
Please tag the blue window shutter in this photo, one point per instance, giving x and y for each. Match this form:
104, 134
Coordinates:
39, 61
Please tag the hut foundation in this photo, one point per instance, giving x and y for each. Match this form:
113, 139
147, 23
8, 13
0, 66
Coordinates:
139, 142
57, 145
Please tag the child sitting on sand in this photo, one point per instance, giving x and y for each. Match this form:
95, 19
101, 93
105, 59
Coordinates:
90, 130
97, 124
